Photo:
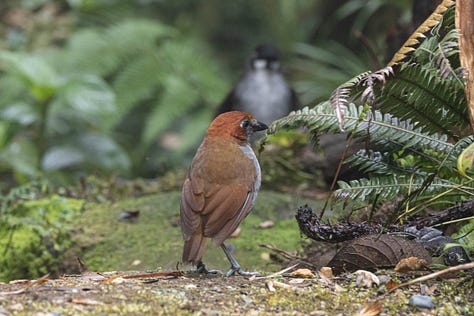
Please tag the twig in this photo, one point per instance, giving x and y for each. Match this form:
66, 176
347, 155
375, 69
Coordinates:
274, 274
29, 285
460, 267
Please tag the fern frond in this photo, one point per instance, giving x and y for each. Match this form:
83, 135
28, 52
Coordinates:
435, 104
340, 97
363, 85
433, 20
383, 128
372, 162
371, 80
388, 187
136, 81
444, 65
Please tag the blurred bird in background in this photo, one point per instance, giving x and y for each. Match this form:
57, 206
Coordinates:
262, 90
221, 187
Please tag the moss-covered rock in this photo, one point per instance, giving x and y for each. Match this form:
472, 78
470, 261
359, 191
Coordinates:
34, 236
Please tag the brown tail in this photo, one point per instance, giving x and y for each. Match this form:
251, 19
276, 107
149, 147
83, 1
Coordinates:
194, 249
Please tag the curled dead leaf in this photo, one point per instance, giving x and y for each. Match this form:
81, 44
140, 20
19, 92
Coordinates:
326, 272
266, 224
296, 281
372, 309
410, 264
376, 251
302, 273
391, 285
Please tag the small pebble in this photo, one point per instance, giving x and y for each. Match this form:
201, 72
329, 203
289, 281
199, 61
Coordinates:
422, 301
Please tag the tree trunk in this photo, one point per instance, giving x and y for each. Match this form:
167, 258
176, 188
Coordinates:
465, 25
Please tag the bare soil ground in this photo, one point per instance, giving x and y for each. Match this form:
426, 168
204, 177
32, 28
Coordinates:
128, 293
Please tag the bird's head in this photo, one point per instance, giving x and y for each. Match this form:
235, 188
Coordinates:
236, 126
266, 57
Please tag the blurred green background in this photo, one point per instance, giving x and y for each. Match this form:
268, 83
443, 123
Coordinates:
128, 88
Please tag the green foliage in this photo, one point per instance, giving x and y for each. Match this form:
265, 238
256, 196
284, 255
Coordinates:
34, 232
465, 235
322, 69
42, 118
283, 163
103, 101
413, 118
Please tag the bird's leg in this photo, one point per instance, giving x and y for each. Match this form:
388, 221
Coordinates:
235, 266
201, 268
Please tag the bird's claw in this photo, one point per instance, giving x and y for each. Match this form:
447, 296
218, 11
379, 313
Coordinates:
201, 268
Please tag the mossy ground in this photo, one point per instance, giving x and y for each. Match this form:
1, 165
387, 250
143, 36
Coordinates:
105, 243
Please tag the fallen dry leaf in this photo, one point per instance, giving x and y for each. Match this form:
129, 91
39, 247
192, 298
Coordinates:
116, 279
391, 285
428, 290
296, 281
410, 264
302, 273
326, 272
266, 224
372, 309
373, 251
269, 285
28, 284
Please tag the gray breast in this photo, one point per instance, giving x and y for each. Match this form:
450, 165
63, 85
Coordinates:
247, 150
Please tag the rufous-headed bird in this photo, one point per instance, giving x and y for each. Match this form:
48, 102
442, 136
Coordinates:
220, 188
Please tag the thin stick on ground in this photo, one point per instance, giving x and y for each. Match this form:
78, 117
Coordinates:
436, 274
274, 274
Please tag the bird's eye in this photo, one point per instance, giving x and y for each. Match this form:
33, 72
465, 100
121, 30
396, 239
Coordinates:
245, 123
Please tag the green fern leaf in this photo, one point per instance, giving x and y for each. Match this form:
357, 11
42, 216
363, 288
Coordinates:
432, 102
388, 187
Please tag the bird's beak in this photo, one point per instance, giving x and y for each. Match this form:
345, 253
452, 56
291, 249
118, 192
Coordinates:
258, 126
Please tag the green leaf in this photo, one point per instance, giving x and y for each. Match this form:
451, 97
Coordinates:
20, 113
91, 98
61, 157
466, 160
21, 155
178, 96
88, 150
41, 78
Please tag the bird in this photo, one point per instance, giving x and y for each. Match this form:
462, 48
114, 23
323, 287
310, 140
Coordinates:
262, 90
220, 188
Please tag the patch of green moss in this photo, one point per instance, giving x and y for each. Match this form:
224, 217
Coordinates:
35, 235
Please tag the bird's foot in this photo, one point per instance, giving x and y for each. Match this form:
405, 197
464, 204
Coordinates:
239, 270
201, 268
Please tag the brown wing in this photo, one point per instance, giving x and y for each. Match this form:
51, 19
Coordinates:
218, 213
225, 210
192, 203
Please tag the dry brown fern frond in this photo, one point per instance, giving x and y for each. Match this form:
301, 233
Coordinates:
414, 39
